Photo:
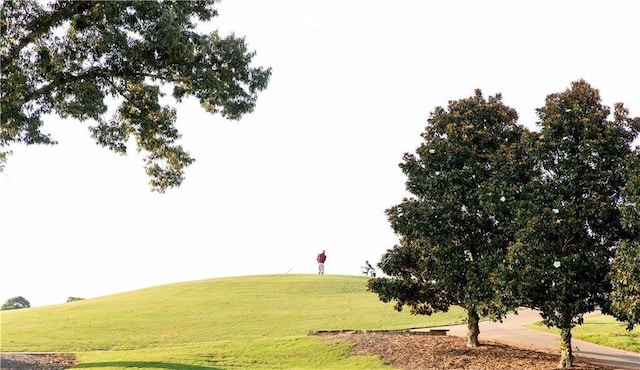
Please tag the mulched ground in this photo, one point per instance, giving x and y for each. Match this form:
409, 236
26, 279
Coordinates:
412, 352
33, 361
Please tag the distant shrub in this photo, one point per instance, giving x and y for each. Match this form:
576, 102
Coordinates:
73, 299
15, 303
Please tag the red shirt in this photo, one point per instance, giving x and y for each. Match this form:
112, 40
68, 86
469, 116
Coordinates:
322, 257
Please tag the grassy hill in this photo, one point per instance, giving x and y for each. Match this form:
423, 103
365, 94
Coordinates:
256, 322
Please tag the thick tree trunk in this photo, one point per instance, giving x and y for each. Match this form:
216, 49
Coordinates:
566, 354
473, 323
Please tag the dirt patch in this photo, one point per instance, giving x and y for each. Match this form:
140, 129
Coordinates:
409, 351
39, 361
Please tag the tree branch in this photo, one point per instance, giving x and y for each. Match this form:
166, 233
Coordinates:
38, 29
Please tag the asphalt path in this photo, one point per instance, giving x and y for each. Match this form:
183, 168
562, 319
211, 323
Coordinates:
512, 331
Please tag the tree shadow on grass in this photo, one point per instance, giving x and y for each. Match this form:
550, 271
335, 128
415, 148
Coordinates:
144, 365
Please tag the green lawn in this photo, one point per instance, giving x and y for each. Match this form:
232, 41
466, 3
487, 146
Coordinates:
257, 322
603, 330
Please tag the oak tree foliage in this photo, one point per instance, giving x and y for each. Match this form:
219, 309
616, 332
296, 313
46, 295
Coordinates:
68, 58
15, 303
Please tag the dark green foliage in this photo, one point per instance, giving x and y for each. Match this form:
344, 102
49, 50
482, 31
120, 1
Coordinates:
68, 57
571, 224
15, 303
500, 218
465, 180
73, 299
625, 275
625, 281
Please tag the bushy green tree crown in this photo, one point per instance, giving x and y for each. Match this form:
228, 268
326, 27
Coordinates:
70, 58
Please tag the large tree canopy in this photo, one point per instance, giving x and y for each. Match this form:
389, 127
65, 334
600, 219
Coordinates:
500, 218
15, 303
455, 228
571, 224
68, 57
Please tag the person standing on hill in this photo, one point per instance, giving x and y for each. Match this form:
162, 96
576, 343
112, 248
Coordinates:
321, 258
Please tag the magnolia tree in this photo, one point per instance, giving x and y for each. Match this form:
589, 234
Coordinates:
454, 229
625, 275
571, 221
68, 57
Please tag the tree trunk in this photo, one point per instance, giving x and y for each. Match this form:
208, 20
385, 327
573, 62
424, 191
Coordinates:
473, 321
566, 354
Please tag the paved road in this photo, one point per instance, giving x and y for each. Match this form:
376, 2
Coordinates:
511, 331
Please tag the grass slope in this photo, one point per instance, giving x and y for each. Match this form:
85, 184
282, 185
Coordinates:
257, 322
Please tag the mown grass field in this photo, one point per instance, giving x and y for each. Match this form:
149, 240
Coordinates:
255, 322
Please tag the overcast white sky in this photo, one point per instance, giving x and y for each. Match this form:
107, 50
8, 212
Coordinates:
316, 164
